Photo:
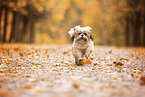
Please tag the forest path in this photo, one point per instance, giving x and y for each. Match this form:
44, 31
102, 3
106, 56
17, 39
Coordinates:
49, 71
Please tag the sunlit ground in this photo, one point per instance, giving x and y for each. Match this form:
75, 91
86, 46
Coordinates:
49, 71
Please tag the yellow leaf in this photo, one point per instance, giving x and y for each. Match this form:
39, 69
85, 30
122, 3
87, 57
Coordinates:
29, 86
5, 93
76, 86
86, 61
2, 74
29, 75
39, 91
115, 78
18, 78
58, 74
136, 75
1, 80
42, 79
47, 56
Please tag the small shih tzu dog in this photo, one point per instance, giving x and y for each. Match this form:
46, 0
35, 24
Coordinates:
82, 43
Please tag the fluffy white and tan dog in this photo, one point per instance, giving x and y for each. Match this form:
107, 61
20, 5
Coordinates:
82, 43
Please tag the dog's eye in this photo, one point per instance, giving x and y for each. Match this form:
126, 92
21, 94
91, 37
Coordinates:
85, 33
79, 33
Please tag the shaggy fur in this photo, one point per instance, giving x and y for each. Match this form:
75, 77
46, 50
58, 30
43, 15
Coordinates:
82, 43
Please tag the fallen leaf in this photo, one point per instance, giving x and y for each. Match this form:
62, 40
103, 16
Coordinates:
47, 56
91, 58
4, 93
1, 80
142, 80
86, 61
124, 59
58, 74
39, 91
30, 76
95, 63
141, 69
114, 77
110, 52
136, 75
76, 86
2, 74
42, 79
132, 75
118, 63
21, 54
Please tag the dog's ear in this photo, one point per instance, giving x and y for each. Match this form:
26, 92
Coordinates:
89, 28
77, 27
91, 37
72, 38
71, 32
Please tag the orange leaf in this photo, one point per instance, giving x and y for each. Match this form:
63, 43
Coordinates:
86, 61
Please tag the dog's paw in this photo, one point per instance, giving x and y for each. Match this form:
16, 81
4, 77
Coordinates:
79, 62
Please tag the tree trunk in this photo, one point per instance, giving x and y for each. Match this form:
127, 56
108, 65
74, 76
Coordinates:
0, 22
144, 25
5, 25
127, 32
17, 28
13, 30
24, 29
136, 32
20, 34
32, 32
144, 34
142, 29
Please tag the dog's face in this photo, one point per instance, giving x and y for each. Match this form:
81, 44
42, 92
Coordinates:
81, 34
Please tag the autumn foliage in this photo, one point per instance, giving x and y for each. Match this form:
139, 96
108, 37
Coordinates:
114, 22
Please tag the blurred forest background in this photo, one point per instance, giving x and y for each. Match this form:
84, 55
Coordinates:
114, 22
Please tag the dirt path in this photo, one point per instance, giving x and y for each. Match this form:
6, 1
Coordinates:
49, 71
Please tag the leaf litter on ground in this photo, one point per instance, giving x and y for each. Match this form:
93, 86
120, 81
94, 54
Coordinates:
50, 70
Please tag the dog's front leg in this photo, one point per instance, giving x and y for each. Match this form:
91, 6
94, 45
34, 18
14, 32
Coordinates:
78, 61
88, 52
78, 56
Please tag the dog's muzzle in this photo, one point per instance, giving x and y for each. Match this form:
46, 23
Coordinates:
82, 37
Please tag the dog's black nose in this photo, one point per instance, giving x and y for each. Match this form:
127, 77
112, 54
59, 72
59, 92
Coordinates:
82, 35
